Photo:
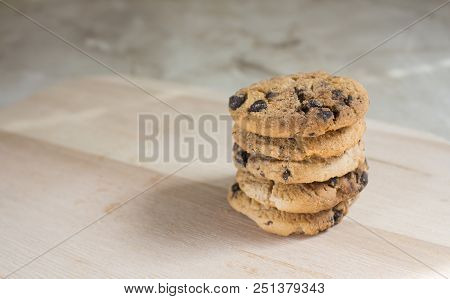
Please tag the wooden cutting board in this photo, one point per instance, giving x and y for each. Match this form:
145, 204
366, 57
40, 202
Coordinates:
76, 202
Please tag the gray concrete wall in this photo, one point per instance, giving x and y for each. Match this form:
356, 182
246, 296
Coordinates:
227, 44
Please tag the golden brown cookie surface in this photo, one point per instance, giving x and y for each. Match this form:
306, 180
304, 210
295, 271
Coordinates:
296, 172
306, 105
303, 198
284, 223
330, 144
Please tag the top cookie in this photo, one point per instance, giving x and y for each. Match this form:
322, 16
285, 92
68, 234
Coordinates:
306, 105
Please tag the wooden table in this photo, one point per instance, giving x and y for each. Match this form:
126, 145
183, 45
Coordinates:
76, 201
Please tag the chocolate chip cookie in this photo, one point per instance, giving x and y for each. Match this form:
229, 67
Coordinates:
303, 198
296, 172
330, 144
306, 105
284, 223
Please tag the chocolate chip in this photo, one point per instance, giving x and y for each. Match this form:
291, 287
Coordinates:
337, 217
235, 147
271, 94
325, 113
258, 106
348, 100
235, 188
339, 96
336, 94
364, 179
305, 109
300, 94
306, 105
241, 157
262, 174
270, 222
236, 101
335, 112
286, 174
332, 182
314, 103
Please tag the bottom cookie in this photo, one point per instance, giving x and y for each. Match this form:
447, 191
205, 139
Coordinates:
284, 223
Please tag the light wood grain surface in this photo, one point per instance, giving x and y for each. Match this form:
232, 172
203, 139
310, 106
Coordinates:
76, 202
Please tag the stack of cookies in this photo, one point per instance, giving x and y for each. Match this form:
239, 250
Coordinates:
298, 150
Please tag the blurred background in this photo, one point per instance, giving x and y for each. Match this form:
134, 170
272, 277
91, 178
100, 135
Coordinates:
224, 45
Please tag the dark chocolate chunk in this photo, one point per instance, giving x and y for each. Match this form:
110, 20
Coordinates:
336, 94
305, 109
270, 222
332, 182
258, 106
325, 113
364, 179
338, 215
306, 105
286, 174
235, 188
348, 100
300, 94
314, 103
271, 94
241, 157
335, 112
236, 101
